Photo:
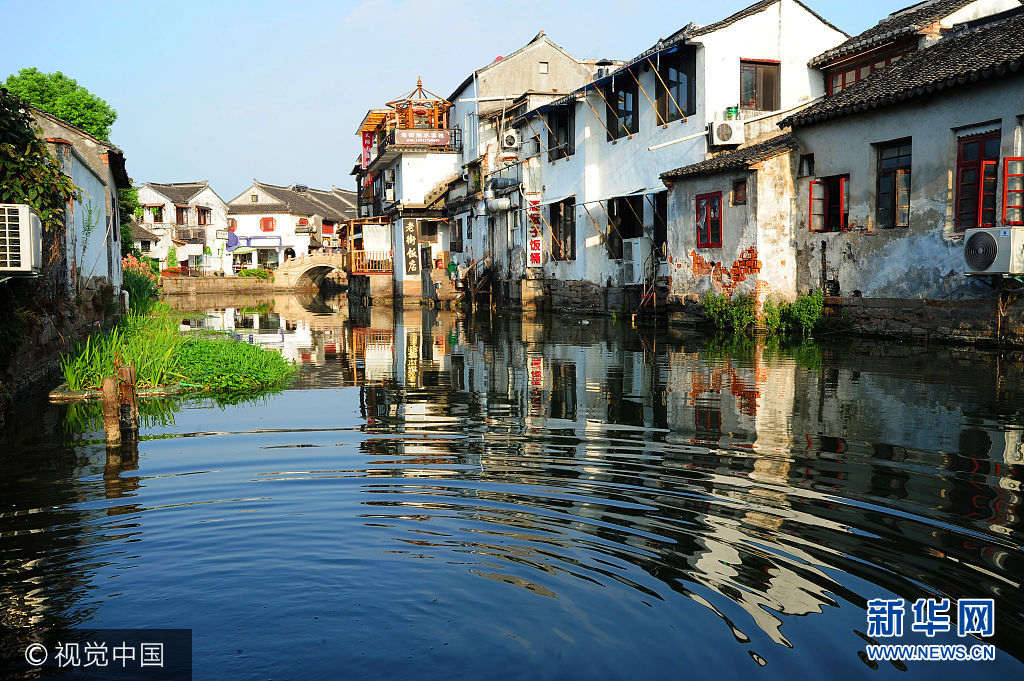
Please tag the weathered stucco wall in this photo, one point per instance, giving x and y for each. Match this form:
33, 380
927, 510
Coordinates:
925, 259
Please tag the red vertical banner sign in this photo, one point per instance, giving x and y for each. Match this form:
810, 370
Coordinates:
367, 145
534, 236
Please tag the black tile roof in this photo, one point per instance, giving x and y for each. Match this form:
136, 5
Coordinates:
987, 48
904, 22
140, 233
750, 11
334, 204
739, 159
178, 192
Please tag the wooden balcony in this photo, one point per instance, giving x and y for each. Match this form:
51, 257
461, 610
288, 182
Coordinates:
370, 262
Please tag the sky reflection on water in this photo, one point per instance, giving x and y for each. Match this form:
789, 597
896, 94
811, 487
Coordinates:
438, 496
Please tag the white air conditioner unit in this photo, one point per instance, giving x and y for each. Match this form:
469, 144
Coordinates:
510, 139
389, 194
726, 133
635, 253
994, 250
21, 240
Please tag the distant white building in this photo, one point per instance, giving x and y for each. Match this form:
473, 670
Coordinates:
270, 223
185, 217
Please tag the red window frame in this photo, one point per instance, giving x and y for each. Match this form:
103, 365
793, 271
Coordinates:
232, 224
982, 166
844, 214
267, 224
1017, 202
704, 238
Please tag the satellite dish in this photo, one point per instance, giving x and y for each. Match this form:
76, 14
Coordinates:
232, 241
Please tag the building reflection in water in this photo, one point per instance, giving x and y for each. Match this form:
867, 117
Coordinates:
762, 484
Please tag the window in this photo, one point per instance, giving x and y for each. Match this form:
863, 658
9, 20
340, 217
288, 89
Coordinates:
623, 115
759, 85
976, 167
739, 192
144, 246
204, 215
661, 223
625, 215
707, 422
839, 79
428, 231
563, 390
455, 242
830, 204
709, 220
562, 139
672, 82
563, 229
267, 257
181, 214
267, 224
1013, 191
158, 213
806, 165
542, 67
893, 197
232, 224
254, 198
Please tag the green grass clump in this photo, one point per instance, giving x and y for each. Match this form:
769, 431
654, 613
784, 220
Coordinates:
256, 273
162, 355
738, 315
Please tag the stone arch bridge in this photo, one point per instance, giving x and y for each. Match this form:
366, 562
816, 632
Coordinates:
308, 271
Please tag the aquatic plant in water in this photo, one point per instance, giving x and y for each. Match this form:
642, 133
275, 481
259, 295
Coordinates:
163, 355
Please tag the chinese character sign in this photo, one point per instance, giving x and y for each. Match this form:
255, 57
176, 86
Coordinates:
534, 237
367, 145
409, 240
416, 136
930, 616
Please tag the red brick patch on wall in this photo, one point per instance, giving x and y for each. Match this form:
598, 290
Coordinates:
727, 278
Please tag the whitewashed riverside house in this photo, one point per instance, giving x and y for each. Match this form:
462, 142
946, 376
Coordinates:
268, 223
96, 167
591, 219
183, 219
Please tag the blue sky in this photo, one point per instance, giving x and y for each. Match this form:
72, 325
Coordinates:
228, 91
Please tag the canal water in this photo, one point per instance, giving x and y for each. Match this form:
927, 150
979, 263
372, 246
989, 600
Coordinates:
440, 497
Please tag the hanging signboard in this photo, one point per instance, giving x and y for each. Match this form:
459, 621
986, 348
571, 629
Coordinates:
367, 146
222, 234
412, 257
534, 236
416, 136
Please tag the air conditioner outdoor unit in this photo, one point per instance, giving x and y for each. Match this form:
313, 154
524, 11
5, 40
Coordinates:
21, 240
510, 139
389, 194
635, 253
726, 133
994, 250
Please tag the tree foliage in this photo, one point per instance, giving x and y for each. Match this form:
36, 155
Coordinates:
63, 97
28, 173
127, 205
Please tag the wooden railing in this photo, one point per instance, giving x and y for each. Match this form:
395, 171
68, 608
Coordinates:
370, 262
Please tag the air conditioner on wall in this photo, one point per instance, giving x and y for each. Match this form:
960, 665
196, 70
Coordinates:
510, 139
389, 194
994, 250
726, 133
635, 253
21, 240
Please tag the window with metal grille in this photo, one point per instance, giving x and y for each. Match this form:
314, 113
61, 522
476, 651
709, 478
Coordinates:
562, 138
267, 224
563, 229
623, 117
673, 83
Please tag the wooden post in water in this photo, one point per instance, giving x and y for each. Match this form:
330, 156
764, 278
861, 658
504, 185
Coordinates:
111, 425
128, 403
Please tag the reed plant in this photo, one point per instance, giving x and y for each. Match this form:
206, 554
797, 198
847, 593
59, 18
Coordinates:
162, 355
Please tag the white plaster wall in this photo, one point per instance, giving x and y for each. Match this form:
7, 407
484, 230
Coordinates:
601, 169
421, 172
926, 259
976, 10
95, 254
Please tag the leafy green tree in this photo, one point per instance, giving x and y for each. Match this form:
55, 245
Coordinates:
127, 205
63, 97
28, 173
